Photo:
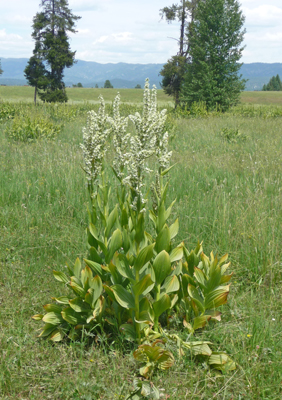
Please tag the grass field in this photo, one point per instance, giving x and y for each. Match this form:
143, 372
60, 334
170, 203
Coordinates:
228, 194
26, 93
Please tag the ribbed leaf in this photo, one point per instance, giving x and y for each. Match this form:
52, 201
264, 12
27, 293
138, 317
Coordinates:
123, 297
193, 293
52, 318
96, 268
176, 254
217, 297
144, 286
61, 277
171, 284
163, 240
161, 305
111, 221
144, 256
174, 228
129, 331
162, 267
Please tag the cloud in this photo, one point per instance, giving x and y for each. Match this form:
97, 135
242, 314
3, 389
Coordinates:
263, 16
5, 37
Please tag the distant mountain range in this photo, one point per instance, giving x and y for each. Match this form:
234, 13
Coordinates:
122, 75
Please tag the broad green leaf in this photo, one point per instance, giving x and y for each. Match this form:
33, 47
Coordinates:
97, 285
200, 348
145, 308
77, 268
47, 330
168, 211
162, 267
144, 256
61, 299
78, 305
200, 322
52, 318
86, 275
123, 267
173, 299
76, 286
193, 293
223, 259
116, 277
176, 254
37, 317
174, 228
200, 277
221, 361
145, 317
217, 297
129, 331
171, 284
52, 308
123, 297
111, 221
95, 256
214, 279
166, 360
61, 277
161, 305
96, 268
225, 278
163, 240
144, 286
71, 316
160, 217
56, 336
94, 233
114, 245
140, 228
153, 217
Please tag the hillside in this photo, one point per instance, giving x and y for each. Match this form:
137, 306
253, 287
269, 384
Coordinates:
123, 75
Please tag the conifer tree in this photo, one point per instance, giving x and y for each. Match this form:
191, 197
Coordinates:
215, 38
274, 85
1, 70
52, 52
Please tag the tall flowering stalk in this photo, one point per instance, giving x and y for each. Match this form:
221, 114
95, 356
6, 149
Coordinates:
95, 146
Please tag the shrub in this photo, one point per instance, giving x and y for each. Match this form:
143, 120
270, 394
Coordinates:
29, 128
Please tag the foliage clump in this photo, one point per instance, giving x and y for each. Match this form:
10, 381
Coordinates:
135, 279
27, 128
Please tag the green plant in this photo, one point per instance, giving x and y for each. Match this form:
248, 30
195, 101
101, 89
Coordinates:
26, 128
134, 281
232, 135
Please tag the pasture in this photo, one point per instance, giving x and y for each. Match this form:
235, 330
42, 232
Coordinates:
229, 195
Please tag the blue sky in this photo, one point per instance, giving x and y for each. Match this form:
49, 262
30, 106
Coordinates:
132, 31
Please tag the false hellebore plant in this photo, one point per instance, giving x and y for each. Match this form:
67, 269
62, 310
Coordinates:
133, 280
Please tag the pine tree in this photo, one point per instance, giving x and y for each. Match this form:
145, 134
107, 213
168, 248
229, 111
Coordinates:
173, 70
1, 70
52, 52
274, 85
215, 38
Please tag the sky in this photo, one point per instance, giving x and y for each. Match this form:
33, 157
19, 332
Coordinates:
132, 31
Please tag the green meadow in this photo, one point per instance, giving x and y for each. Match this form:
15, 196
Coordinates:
227, 183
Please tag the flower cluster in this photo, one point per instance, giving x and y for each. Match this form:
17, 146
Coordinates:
132, 151
120, 139
95, 142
